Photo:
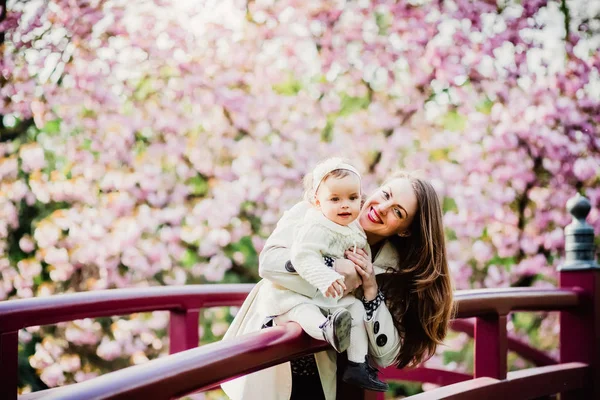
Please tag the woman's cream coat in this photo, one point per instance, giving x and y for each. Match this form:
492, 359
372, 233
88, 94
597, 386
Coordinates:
275, 383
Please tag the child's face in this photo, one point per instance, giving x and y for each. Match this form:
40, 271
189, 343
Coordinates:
339, 198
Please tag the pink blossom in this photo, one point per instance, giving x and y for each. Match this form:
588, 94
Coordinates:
32, 158
26, 244
61, 272
216, 268
81, 376
585, 168
46, 234
70, 362
56, 256
53, 376
109, 350
82, 332
482, 251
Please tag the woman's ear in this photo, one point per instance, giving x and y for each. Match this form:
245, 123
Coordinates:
406, 233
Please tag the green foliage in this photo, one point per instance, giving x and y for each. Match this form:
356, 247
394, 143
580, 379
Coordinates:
383, 21
506, 262
52, 127
190, 258
449, 205
404, 389
198, 185
327, 133
144, 89
485, 107
464, 356
246, 247
454, 121
289, 87
350, 104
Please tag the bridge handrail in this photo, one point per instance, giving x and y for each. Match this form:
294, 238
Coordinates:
22, 313
481, 302
195, 369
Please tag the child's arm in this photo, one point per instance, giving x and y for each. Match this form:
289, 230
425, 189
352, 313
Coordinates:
274, 260
307, 258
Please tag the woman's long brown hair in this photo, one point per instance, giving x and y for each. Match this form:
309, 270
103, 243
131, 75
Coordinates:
419, 293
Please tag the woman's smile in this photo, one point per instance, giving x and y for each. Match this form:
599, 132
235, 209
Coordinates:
374, 217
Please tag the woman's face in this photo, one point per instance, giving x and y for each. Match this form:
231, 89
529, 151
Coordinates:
389, 211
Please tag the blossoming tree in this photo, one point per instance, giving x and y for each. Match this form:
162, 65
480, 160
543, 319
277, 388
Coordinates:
158, 142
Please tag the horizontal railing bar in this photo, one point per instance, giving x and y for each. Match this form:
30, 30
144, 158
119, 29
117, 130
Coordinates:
17, 314
196, 369
525, 384
438, 376
481, 302
22, 313
536, 356
467, 390
40, 394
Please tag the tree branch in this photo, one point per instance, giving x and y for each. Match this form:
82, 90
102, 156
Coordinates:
8, 134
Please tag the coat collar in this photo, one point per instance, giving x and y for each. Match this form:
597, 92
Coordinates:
315, 216
387, 257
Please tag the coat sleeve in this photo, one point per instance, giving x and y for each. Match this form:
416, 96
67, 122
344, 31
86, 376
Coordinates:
307, 257
384, 340
274, 260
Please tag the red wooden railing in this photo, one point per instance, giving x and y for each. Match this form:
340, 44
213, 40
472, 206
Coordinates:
576, 375
202, 367
183, 302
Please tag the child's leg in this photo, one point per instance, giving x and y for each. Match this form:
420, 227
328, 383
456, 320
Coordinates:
359, 341
308, 316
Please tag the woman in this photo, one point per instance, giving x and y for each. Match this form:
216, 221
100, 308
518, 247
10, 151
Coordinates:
408, 305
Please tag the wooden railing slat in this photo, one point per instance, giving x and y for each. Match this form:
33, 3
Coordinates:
183, 330
490, 347
9, 364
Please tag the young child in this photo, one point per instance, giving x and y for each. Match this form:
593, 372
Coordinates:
328, 230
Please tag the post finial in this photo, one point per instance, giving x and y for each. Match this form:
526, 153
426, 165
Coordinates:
579, 207
579, 237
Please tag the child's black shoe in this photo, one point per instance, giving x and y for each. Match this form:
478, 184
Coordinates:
364, 376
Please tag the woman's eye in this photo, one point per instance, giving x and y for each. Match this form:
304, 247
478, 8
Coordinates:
398, 213
386, 194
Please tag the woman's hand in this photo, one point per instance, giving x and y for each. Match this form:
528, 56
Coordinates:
347, 269
336, 289
364, 268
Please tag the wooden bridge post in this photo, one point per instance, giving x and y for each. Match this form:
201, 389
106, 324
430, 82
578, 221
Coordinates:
491, 347
183, 330
9, 365
580, 328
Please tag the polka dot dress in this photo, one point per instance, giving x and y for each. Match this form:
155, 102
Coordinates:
372, 305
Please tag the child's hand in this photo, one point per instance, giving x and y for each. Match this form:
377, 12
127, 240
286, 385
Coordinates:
346, 268
336, 289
